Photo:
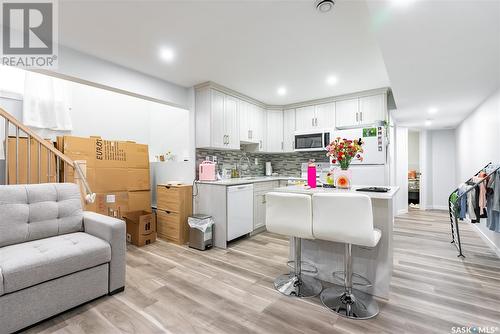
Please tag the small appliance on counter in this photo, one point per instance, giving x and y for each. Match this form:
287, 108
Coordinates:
207, 171
269, 168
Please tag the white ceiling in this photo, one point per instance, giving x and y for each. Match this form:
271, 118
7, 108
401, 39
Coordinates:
250, 46
443, 54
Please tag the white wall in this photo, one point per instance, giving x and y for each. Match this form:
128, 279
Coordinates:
85, 67
401, 162
477, 144
413, 150
478, 138
443, 155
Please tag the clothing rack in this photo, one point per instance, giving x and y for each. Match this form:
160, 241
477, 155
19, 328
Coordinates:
489, 169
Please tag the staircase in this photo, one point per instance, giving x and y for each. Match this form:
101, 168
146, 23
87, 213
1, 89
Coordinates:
33, 170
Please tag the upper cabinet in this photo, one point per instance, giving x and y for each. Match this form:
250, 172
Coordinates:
217, 120
361, 111
274, 134
288, 130
252, 123
321, 116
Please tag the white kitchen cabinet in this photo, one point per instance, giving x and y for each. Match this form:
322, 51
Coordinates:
325, 115
259, 202
217, 120
361, 111
347, 113
305, 118
372, 109
288, 130
244, 111
274, 134
315, 117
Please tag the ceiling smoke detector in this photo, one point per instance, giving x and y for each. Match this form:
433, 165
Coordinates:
324, 5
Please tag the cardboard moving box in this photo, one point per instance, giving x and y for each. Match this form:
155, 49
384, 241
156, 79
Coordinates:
117, 171
141, 227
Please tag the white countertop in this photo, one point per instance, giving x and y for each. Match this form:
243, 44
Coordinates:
248, 180
306, 190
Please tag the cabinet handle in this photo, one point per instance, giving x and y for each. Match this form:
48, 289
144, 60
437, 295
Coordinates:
357, 117
168, 187
316, 121
260, 143
361, 116
282, 146
312, 121
249, 134
263, 199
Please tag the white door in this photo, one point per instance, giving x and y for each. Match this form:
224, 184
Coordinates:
239, 211
288, 130
371, 109
346, 113
232, 124
325, 115
274, 138
305, 118
217, 120
245, 120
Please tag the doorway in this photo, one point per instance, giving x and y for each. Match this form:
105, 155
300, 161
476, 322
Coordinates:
414, 170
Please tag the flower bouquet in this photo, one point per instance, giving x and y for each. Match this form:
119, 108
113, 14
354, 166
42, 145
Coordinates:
343, 151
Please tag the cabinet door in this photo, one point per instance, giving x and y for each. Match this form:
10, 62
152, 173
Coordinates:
325, 116
274, 137
245, 120
231, 121
218, 135
288, 130
259, 210
372, 109
305, 118
259, 127
346, 113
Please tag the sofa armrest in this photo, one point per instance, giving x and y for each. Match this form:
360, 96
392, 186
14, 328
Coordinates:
113, 231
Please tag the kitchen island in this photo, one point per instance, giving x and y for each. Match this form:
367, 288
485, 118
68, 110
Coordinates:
373, 263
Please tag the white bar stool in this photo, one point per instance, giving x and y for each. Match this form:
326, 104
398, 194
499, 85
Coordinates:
346, 218
291, 214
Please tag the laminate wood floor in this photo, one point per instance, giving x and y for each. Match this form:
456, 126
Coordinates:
173, 289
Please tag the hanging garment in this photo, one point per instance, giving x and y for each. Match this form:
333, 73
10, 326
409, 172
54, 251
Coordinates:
471, 202
482, 194
46, 102
463, 201
493, 202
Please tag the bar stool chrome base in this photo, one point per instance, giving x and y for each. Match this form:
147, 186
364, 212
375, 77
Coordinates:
356, 305
293, 285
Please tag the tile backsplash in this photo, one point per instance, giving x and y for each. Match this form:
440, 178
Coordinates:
285, 164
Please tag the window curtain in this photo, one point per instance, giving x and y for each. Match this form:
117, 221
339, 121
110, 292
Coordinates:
46, 103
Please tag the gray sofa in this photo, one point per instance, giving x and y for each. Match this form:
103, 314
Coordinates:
54, 256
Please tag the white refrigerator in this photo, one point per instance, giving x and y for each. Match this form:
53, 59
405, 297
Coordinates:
374, 169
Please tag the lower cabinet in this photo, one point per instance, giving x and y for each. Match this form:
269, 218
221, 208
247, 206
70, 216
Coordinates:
174, 206
259, 202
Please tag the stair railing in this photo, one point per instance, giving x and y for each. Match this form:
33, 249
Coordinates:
60, 158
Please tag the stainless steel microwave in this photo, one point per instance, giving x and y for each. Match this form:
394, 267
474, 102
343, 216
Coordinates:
311, 141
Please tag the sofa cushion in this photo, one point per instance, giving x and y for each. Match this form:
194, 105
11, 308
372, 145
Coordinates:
37, 211
26, 264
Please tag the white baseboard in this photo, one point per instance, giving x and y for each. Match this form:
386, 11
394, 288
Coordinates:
402, 211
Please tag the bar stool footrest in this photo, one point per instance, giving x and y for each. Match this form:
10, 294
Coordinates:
305, 267
357, 280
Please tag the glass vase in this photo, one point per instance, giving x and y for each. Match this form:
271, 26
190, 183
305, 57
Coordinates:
342, 178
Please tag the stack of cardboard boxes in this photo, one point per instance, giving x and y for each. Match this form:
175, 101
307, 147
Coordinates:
117, 171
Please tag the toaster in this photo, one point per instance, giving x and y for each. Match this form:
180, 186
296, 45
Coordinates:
206, 171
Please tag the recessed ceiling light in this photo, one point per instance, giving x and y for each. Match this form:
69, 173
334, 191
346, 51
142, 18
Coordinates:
332, 80
433, 110
324, 5
428, 122
281, 91
167, 54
